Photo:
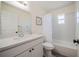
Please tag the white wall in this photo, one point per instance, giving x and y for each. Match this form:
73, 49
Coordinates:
35, 11
77, 5
0, 17
77, 25
11, 17
64, 32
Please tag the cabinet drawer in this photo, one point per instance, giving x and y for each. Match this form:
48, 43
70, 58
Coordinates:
19, 49
25, 54
22, 55
35, 51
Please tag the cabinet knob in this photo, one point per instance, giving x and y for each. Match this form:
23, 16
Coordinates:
29, 50
32, 48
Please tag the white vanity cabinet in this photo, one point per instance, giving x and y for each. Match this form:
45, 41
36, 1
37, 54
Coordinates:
32, 48
36, 51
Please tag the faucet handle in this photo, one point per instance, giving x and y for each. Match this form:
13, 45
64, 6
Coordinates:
74, 41
16, 32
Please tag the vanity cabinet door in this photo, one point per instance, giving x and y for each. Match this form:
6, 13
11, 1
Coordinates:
37, 51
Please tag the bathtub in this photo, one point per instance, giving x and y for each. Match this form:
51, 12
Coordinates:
65, 49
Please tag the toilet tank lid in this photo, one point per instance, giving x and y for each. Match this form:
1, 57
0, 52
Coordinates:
47, 44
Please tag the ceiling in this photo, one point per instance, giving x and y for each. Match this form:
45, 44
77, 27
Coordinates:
50, 5
44, 5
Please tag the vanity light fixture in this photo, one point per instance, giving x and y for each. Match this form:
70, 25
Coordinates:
25, 3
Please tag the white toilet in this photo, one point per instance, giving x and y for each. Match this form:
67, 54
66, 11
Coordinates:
48, 47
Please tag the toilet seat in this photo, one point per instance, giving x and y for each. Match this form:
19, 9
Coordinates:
48, 46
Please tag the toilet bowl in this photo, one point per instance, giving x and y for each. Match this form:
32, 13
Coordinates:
48, 47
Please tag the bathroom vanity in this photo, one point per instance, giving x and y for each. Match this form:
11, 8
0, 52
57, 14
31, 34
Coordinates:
27, 46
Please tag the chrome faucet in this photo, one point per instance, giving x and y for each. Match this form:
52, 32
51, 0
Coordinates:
20, 32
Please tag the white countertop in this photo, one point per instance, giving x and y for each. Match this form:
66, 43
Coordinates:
14, 41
